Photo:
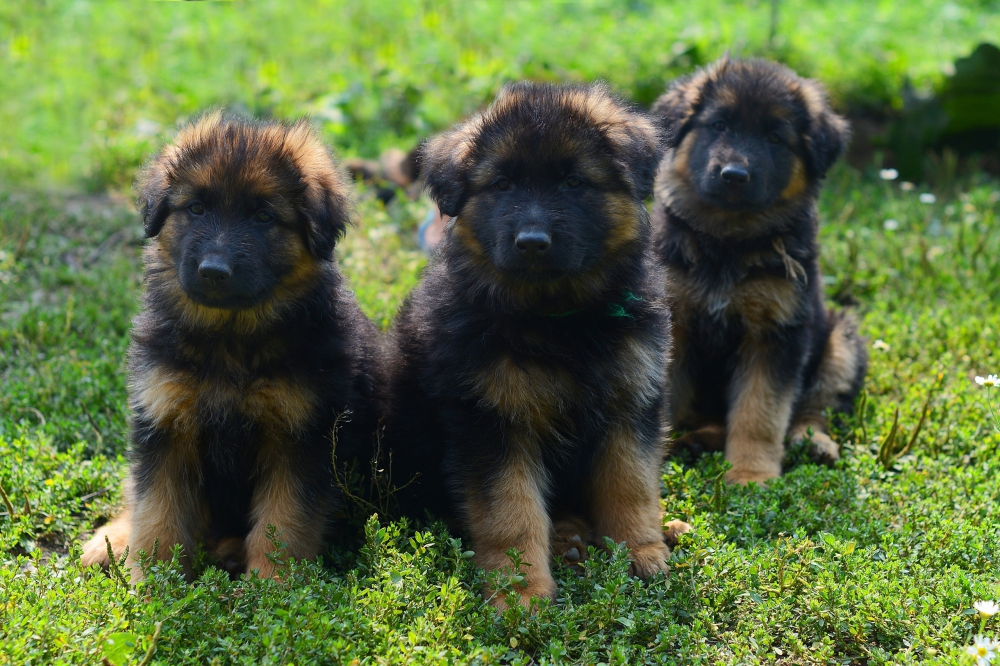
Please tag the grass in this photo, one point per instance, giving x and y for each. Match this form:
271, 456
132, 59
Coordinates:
876, 560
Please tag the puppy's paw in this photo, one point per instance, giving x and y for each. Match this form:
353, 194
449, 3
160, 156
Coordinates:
95, 551
672, 532
705, 439
569, 541
824, 450
541, 586
741, 476
648, 558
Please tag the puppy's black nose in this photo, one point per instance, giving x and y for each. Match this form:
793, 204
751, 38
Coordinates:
214, 267
735, 174
532, 244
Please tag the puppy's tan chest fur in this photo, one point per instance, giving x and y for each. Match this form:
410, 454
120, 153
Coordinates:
538, 393
761, 302
180, 401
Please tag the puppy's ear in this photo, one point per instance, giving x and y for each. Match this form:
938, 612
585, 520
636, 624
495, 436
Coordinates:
676, 107
641, 153
153, 184
442, 166
827, 135
327, 209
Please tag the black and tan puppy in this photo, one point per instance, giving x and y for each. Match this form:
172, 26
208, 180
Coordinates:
532, 356
757, 356
247, 348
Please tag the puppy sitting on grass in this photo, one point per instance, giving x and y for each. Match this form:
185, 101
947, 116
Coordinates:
757, 356
247, 348
531, 357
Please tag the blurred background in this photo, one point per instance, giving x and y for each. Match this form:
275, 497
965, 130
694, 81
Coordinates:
88, 89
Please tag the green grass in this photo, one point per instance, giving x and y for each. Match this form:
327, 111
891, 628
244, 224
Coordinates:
87, 86
875, 560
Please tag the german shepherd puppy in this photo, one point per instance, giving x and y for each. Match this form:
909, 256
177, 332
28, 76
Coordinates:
246, 350
757, 356
531, 358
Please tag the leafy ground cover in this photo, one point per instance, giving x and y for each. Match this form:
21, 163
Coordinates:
876, 560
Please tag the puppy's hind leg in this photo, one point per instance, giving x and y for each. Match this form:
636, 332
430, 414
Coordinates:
839, 377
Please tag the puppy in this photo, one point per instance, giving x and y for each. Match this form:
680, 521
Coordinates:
757, 356
530, 362
247, 349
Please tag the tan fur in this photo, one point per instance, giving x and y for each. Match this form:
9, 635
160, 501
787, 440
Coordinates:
757, 421
625, 494
797, 181
171, 511
277, 501
511, 513
526, 393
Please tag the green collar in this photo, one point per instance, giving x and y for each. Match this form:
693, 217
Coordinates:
615, 309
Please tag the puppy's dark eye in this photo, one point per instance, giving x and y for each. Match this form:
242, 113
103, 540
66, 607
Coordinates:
719, 126
573, 181
774, 137
196, 209
502, 184
263, 217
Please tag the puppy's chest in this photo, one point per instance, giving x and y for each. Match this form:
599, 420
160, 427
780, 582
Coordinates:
542, 391
180, 400
757, 301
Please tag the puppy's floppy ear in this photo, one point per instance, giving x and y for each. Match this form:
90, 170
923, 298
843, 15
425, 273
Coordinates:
441, 164
827, 135
153, 184
326, 203
676, 107
327, 209
641, 152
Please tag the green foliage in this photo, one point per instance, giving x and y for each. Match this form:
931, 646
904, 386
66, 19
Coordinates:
876, 560
89, 88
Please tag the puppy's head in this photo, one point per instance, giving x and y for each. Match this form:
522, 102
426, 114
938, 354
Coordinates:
241, 210
752, 137
545, 184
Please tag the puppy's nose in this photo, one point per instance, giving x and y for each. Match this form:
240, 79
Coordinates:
735, 174
532, 244
214, 267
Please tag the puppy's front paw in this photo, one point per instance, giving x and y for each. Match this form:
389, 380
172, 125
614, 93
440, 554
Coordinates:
95, 551
741, 476
824, 450
648, 558
541, 586
672, 532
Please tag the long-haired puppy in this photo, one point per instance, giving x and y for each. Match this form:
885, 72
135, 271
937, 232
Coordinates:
757, 356
246, 351
531, 358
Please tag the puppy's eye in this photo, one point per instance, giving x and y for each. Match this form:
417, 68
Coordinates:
719, 126
263, 217
573, 181
196, 209
502, 184
774, 137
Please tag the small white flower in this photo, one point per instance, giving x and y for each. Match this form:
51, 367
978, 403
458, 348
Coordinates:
888, 174
881, 345
987, 608
906, 186
890, 225
989, 381
927, 198
983, 650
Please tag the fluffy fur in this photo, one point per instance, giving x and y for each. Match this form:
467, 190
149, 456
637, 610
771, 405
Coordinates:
757, 356
246, 350
531, 358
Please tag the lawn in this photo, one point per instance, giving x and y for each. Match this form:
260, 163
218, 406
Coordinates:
876, 560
